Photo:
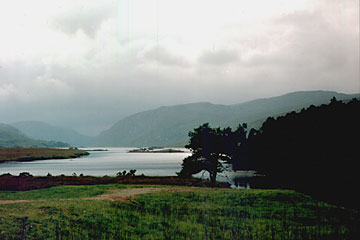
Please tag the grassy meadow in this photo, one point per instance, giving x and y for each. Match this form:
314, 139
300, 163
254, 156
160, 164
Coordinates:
61, 192
199, 213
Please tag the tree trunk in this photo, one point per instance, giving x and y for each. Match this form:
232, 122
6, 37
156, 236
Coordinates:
213, 179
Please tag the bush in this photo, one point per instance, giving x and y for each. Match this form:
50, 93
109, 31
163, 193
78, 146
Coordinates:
25, 174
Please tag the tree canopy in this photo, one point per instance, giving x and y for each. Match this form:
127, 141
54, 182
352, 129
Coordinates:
315, 151
213, 149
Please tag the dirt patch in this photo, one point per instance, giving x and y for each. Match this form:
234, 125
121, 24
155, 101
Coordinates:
124, 195
2, 202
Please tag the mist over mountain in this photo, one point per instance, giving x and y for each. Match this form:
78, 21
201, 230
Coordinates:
166, 126
169, 126
43, 131
11, 137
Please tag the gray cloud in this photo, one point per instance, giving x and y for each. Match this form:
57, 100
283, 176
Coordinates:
87, 18
218, 57
90, 83
314, 54
165, 57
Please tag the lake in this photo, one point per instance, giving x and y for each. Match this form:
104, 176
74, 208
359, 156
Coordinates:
100, 163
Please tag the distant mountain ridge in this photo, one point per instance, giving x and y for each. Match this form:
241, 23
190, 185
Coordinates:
43, 131
11, 137
166, 126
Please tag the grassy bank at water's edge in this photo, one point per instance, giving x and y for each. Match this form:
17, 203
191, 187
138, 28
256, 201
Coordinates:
32, 154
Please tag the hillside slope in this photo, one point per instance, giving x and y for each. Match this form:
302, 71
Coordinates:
11, 137
47, 132
170, 125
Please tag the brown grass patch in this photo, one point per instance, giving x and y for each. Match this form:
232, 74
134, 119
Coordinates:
32, 154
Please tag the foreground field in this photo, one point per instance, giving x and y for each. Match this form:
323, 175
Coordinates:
171, 213
31, 154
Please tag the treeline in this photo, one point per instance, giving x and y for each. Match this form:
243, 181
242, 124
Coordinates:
315, 151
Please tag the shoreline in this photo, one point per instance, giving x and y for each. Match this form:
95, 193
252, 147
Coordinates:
36, 154
26, 182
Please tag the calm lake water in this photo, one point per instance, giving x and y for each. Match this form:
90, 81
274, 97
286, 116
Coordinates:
103, 163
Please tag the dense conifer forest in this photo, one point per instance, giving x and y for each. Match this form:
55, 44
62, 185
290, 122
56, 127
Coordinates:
314, 151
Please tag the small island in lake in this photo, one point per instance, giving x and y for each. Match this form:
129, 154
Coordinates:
153, 150
97, 150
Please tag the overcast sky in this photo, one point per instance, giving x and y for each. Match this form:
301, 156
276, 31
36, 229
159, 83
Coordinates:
87, 64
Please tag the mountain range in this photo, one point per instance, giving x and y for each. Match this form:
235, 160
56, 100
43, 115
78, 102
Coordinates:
170, 125
44, 131
11, 137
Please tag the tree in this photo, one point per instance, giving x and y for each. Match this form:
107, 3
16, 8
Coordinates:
313, 151
239, 144
209, 152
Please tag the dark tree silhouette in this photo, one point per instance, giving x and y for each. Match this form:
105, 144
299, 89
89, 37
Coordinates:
239, 143
314, 151
213, 149
209, 152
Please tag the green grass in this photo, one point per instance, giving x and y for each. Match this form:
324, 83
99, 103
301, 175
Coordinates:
64, 192
59, 192
200, 214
